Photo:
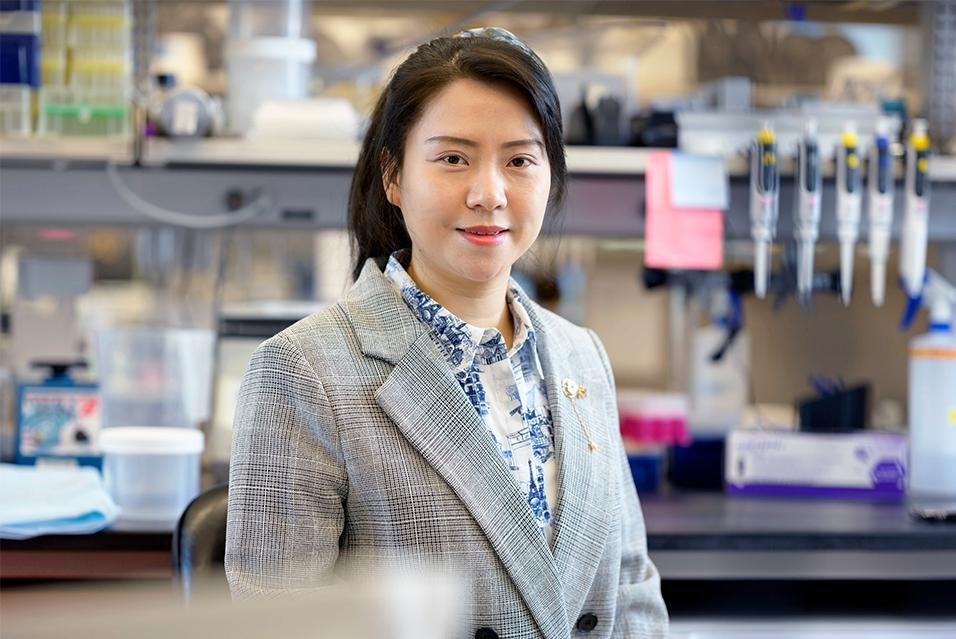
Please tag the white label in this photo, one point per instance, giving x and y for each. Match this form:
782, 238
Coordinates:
185, 118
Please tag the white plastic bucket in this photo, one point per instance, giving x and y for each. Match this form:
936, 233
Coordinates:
263, 69
151, 472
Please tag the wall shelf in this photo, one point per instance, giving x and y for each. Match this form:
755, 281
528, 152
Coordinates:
308, 182
42, 150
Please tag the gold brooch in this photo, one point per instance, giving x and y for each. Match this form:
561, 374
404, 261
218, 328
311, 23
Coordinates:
575, 391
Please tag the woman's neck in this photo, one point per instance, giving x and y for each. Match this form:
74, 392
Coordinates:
481, 304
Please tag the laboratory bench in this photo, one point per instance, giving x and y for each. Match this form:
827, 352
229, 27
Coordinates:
714, 536
690, 536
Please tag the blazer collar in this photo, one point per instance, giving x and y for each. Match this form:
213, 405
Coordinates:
383, 323
427, 403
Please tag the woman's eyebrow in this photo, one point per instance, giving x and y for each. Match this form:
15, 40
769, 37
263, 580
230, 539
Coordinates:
450, 139
528, 142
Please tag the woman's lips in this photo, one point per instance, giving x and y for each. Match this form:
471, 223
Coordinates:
481, 238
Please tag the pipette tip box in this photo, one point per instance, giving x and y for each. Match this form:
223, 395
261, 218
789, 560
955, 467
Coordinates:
860, 465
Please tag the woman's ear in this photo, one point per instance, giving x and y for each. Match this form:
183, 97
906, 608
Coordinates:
390, 179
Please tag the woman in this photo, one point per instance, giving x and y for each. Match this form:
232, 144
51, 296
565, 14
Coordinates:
436, 413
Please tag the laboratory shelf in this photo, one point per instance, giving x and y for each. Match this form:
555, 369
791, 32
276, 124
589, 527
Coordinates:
305, 185
31, 151
895, 13
343, 154
337, 154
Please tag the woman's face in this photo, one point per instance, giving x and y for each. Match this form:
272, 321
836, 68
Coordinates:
474, 183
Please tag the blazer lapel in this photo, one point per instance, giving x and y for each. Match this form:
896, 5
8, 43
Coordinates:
428, 405
582, 516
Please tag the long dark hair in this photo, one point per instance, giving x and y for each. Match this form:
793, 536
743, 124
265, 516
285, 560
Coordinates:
376, 227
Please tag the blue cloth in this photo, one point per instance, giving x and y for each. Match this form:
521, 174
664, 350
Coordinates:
47, 501
506, 386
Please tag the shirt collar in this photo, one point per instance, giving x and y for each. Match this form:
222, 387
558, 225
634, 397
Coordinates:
461, 342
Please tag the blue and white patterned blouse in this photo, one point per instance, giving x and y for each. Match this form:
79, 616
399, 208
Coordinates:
505, 386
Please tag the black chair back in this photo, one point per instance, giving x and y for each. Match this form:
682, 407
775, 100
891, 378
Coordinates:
199, 544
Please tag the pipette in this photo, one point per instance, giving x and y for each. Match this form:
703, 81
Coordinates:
880, 183
764, 203
849, 201
808, 206
915, 219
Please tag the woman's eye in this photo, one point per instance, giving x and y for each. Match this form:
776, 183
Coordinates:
521, 162
454, 160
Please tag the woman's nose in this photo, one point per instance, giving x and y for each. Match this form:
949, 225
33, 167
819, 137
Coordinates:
487, 190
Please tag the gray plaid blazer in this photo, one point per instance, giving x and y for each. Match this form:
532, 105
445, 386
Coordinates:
355, 448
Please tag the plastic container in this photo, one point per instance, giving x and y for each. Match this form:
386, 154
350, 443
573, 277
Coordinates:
718, 390
20, 59
101, 72
842, 412
264, 69
20, 21
152, 473
932, 414
15, 102
653, 418
20, 5
268, 18
65, 112
699, 465
646, 470
310, 119
155, 377
53, 29
101, 25
53, 69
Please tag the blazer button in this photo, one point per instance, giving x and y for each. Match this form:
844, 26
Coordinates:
486, 633
587, 622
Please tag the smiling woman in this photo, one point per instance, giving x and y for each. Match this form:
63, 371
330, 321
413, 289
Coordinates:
436, 414
472, 202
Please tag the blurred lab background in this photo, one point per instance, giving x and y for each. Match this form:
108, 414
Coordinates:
761, 227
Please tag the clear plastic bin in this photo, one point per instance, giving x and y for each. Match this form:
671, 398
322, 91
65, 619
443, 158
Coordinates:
101, 72
268, 18
15, 110
101, 25
20, 58
53, 26
151, 473
64, 112
53, 68
19, 22
263, 69
155, 377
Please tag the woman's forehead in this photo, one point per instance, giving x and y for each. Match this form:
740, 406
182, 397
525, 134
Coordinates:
479, 111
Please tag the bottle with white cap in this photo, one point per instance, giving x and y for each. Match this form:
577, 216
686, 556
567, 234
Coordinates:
932, 396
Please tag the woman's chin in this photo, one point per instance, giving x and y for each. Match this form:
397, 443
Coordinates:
482, 269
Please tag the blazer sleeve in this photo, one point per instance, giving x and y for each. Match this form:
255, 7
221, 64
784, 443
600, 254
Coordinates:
287, 478
640, 607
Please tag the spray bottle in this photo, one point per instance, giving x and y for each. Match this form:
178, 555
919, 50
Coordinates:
720, 368
932, 393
